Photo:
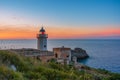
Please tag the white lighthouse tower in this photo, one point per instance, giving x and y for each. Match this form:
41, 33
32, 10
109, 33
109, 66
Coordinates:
42, 40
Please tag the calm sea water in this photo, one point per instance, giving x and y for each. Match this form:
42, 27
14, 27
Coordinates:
103, 54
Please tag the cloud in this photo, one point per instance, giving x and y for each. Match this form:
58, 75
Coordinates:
16, 18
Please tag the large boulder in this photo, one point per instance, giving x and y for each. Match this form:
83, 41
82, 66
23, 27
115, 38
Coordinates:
79, 53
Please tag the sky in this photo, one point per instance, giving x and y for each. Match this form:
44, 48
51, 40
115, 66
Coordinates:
62, 19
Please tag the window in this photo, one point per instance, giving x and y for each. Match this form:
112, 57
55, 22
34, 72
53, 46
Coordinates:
56, 55
44, 45
67, 56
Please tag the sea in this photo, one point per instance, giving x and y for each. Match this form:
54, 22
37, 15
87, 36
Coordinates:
104, 53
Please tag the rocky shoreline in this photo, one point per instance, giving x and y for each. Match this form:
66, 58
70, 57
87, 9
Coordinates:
18, 67
79, 53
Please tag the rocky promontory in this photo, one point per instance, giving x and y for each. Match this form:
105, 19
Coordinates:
79, 53
29, 68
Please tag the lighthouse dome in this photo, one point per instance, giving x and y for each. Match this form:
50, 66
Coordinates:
42, 30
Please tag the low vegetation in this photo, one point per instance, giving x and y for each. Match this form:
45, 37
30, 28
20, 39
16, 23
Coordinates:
26, 68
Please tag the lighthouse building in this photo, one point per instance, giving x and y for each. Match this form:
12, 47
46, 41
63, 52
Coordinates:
42, 40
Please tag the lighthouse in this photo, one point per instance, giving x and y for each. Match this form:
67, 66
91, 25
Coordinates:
42, 40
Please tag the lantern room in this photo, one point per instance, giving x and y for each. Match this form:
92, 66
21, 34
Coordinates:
42, 31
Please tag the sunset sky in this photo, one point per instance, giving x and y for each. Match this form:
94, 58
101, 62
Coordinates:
69, 19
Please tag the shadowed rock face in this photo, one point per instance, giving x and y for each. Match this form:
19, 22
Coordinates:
79, 53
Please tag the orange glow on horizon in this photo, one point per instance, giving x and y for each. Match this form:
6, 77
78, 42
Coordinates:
82, 32
55, 32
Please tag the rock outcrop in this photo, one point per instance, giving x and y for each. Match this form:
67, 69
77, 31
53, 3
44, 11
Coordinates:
79, 53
